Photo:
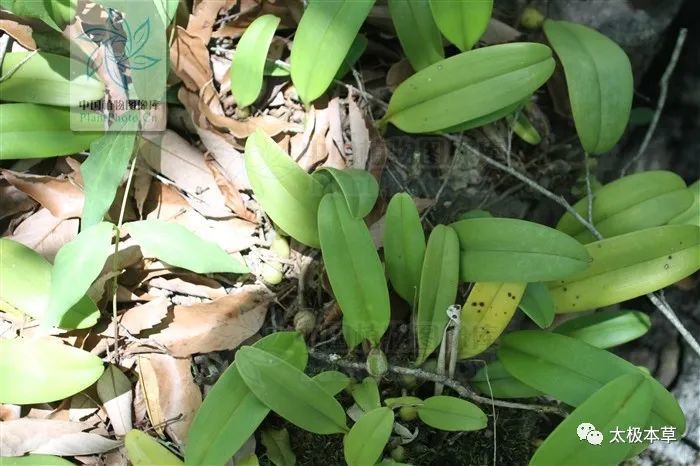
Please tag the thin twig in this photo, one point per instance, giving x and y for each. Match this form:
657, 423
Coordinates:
663, 85
589, 191
662, 305
460, 389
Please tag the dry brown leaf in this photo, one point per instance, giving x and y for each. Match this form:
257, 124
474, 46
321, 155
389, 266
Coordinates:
45, 233
19, 32
9, 412
13, 201
169, 154
398, 73
141, 317
219, 325
359, 135
51, 437
60, 195
195, 285
203, 15
233, 198
335, 144
499, 32
114, 390
190, 59
233, 234
149, 393
288, 11
168, 383
230, 161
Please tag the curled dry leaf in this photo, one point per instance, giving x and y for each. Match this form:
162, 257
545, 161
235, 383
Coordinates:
219, 325
51, 437
45, 233
359, 136
169, 392
19, 32
142, 317
172, 156
114, 389
60, 195
13, 201
190, 59
191, 285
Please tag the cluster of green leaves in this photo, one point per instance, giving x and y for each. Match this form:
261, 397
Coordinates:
269, 375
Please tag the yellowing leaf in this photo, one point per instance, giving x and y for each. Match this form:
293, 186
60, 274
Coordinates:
488, 310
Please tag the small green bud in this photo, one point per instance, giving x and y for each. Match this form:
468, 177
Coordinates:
398, 453
377, 364
531, 18
304, 322
408, 413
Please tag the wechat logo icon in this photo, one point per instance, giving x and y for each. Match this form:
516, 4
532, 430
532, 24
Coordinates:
587, 431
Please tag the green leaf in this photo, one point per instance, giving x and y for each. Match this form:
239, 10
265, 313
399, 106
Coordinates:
489, 78
179, 247
489, 308
634, 202
25, 286
524, 129
104, 168
537, 303
623, 402
475, 213
231, 413
333, 382
273, 69
600, 82
45, 78
48, 129
358, 47
366, 394
144, 450
39, 371
462, 23
322, 40
277, 447
78, 263
167, 9
354, 271
35, 460
628, 266
571, 371
606, 329
55, 13
404, 246
419, 35
402, 401
692, 214
438, 289
359, 187
365, 442
289, 392
249, 59
511, 250
288, 194
494, 380
484, 119
451, 414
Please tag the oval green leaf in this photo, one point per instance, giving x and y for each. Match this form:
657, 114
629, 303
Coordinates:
494, 380
35, 371
511, 250
419, 35
404, 246
628, 266
179, 247
25, 286
692, 214
104, 168
366, 440
634, 202
288, 194
289, 392
333, 382
278, 449
606, 329
438, 289
537, 304
359, 187
490, 79
78, 263
35, 460
144, 450
600, 82
354, 271
231, 413
45, 78
357, 48
322, 40
571, 370
462, 23
451, 414
366, 394
248, 61
489, 308
48, 129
